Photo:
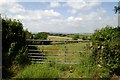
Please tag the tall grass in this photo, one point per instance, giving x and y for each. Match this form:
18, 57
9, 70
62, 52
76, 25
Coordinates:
86, 68
39, 71
53, 70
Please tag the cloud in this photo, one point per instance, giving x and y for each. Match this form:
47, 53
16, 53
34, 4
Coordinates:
95, 15
37, 15
71, 18
82, 23
78, 4
52, 21
55, 4
10, 7
81, 4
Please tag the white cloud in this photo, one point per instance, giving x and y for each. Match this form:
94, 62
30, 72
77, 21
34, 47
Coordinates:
73, 11
96, 15
52, 21
78, 4
55, 4
99, 18
37, 15
12, 7
70, 25
71, 18
81, 4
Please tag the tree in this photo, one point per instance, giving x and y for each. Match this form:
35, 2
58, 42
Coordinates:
41, 35
14, 49
75, 36
27, 34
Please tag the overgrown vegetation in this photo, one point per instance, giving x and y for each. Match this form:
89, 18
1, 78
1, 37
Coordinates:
103, 62
86, 69
106, 48
14, 49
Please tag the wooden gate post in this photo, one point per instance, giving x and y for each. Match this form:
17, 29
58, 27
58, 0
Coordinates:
65, 52
42, 47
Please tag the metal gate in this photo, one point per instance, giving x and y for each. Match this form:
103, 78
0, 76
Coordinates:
60, 51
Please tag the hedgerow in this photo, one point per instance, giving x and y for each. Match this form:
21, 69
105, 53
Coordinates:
106, 48
14, 48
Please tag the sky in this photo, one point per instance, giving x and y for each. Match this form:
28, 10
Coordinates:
68, 16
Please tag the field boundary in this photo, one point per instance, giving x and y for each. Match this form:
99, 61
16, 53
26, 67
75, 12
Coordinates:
39, 56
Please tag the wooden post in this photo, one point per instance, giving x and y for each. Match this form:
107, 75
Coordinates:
42, 47
65, 51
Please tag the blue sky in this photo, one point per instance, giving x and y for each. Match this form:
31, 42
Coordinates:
109, 6
66, 17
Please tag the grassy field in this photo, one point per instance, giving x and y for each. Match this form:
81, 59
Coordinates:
70, 52
86, 68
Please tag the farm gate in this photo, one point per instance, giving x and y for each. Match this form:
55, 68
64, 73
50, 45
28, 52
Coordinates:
59, 51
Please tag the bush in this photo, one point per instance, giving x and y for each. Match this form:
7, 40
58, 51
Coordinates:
75, 37
41, 35
14, 48
84, 38
106, 48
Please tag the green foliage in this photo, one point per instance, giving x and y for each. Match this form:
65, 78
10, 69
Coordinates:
58, 34
84, 38
85, 69
41, 35
106, 48
27, 34
75, 37
13, 44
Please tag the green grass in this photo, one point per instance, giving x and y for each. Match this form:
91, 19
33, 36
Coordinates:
74, 51
39, 71
85, 69
63, 71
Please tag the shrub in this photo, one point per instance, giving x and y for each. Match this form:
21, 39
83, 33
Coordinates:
75, 37
41, 35
106, 48
13, 44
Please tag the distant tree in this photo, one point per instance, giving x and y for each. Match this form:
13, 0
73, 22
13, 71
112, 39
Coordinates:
41, 35
75, 37
85, 37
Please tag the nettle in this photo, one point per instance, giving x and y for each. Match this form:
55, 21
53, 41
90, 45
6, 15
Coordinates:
106, 48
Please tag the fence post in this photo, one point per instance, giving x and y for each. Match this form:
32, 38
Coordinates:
42, 47
65, 51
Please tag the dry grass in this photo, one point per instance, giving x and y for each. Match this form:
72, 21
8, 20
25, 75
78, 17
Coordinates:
58, 38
